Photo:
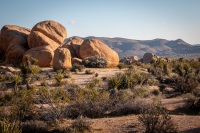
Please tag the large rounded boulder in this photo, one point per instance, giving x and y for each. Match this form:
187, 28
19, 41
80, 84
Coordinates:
149, 58
73, 44
43, 54
94, 47
13, 42
47, 33
62, 59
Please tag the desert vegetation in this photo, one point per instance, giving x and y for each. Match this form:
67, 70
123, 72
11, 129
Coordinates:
34, 100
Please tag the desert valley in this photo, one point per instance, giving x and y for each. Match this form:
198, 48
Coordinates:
53, 84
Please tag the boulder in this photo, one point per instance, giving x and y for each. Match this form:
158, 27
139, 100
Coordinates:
76, 61
93, 47
47, 33
149, 58
134, 58
44, 55
73, 44
62, 59
13, 42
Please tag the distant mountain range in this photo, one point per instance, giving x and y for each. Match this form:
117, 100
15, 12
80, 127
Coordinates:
161, 47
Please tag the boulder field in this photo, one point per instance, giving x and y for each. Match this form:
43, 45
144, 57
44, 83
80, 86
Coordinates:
45, 43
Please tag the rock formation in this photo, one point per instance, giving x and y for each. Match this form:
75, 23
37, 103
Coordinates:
44, 55
149, 58
73, 44
62, 59
13, 42
47, 33
92, 47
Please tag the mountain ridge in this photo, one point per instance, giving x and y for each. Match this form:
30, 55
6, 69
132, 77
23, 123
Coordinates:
162, 47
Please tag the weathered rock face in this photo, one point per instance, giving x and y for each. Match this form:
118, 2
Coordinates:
73, 44
62, 59
13, 42
77, 61
149, 58
44, 55
47, 33
92, 47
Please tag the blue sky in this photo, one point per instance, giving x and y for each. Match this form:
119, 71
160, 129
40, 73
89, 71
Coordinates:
134, 19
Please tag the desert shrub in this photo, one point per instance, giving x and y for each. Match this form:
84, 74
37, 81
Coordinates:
89, 71
16, 79
92, 103
155, 92
130, 106
121, 66
21, 105
126, 80
124, 94
58, 78
157, 120
34, 127
96, 75
9, 127
141, 91
95, 62
25, 66
78, 67
80, 125
152, 81
34, 69
114, 82
56, 99
192, 102
93, 83
67, 74
184, 85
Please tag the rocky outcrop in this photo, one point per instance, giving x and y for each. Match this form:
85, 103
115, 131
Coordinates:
44, 55
77, 61
13, 42
62, 59
73, 44
149, 58
47, 33
93, 47
129, 60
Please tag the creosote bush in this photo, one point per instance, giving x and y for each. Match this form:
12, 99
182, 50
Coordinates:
95, 62
157, 120
78, 67
80, 125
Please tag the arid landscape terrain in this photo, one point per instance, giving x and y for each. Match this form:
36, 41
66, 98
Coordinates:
83, 85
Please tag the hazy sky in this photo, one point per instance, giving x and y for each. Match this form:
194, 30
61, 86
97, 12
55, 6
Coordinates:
134, 19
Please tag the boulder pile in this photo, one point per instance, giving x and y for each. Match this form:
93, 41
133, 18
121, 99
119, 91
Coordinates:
44, 42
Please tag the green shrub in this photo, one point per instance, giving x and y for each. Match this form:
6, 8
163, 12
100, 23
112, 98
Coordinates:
59, 77
95, 62
8, 127
157, 120
129, 106
34, 69
89, 71
184, 85
192, 102
141, 91
126, 80
78, 67
16, 79
92, 103
56, 99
